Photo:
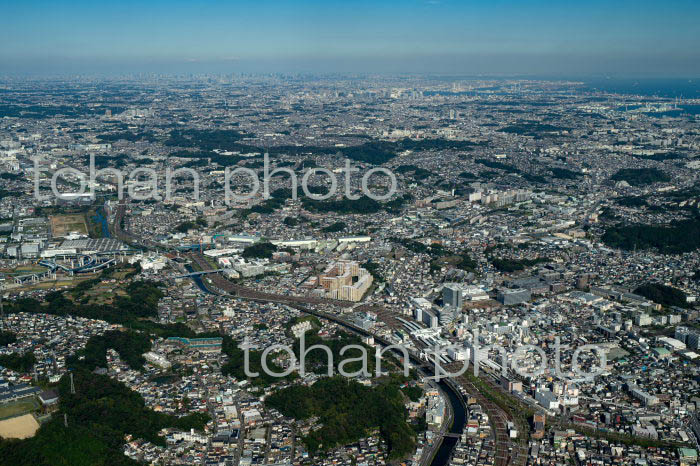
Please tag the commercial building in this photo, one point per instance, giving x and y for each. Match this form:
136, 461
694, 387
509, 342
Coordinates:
426, 316
547, 399
447, 315
474, 293
452, 296
517, 296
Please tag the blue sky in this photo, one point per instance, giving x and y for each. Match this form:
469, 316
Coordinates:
445, 36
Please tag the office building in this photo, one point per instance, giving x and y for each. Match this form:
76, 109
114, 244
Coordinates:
517, 296
452, 296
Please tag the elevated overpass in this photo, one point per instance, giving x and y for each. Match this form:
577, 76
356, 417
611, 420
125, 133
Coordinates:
200, 273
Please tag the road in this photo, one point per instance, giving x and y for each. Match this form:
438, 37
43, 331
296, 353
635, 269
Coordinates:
227, 286
429, 453
497, 416
120, 233
507, 452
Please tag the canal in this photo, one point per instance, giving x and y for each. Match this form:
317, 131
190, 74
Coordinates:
459, 421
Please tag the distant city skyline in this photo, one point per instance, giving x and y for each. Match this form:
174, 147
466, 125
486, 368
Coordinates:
415, 36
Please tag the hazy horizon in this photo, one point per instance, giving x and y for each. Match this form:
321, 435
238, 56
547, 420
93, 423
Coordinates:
436, 36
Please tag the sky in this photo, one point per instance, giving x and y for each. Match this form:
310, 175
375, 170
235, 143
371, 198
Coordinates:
528, 37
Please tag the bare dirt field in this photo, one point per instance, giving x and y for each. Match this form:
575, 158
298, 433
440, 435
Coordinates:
19, 427
61, 225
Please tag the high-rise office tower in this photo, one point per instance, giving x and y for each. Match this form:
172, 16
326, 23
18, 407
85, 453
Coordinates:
452, 296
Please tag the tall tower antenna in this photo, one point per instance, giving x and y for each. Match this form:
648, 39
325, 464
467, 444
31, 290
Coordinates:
72, 384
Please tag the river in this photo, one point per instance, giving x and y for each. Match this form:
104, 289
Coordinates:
100, 218
197, 280
459, 420
442, 457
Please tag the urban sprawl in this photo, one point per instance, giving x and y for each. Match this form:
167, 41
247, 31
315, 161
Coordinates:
530, 219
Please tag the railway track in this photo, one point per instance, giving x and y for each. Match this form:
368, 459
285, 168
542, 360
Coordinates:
507, 452
245, 292
499, 421
499, 418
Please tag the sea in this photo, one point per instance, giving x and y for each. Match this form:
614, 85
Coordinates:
687, 88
